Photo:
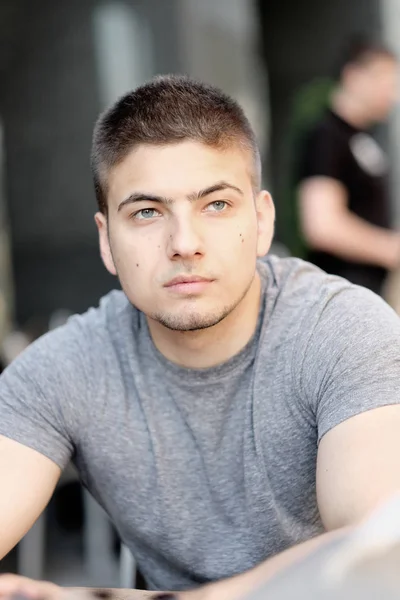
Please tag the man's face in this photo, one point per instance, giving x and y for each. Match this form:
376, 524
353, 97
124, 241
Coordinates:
184, 231
376, 85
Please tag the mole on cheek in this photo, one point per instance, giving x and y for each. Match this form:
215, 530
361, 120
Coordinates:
137, 264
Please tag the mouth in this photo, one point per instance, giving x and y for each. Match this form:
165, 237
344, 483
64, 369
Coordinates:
188, 284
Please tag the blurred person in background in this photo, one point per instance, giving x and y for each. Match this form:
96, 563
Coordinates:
343, 202
227, 412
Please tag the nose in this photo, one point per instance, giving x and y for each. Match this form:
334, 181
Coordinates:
184, 239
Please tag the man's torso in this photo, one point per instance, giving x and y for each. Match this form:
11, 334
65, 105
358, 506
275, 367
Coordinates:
206, 473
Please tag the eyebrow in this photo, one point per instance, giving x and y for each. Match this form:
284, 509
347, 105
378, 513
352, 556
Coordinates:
144, 197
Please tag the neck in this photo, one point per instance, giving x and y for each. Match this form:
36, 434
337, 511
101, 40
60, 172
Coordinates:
205, 348
350, 109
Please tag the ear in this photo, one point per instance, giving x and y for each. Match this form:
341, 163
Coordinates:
104, 243
265, 221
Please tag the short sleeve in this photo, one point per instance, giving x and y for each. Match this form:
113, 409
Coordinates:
351, 359
322, 155
41, 393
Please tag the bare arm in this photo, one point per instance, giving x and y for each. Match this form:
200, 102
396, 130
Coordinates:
329, 226
27, 481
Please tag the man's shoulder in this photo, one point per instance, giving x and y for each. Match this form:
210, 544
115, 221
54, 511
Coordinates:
320, 320
305, 293
111, 308
316, 308
79, 353
294, 278
86, 334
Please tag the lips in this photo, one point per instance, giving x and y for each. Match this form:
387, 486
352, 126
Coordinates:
187, 279
188, 286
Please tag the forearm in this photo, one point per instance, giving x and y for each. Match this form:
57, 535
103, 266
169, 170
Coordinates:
240, 585
351, 238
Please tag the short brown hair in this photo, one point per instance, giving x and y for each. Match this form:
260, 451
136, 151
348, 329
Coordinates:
167, 110
360, 50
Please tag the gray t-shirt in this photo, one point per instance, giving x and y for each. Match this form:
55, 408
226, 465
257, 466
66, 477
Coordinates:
206, 473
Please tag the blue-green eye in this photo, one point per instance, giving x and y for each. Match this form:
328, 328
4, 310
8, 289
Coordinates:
145, 213
217, 206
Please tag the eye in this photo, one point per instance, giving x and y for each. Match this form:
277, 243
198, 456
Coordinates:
145, 214
217, 206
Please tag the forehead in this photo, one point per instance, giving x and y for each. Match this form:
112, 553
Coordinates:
176, 170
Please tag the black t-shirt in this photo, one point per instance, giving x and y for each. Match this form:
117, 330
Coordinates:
338, 150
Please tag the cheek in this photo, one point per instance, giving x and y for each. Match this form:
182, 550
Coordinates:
138, 258
128, 258
247, 236
241, 248
129, 262
240, 262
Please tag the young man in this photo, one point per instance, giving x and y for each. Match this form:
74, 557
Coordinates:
221, 409
343, 196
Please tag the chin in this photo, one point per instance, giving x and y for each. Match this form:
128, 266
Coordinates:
191, 321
